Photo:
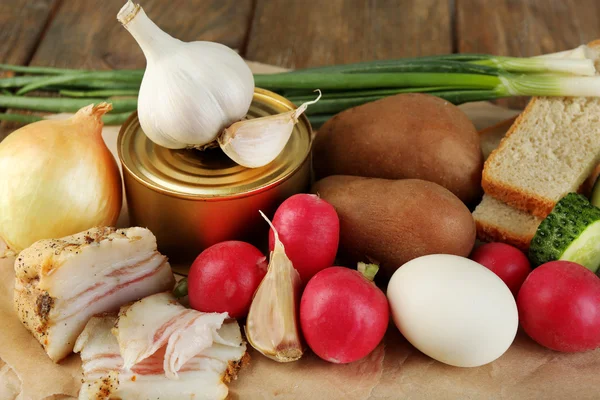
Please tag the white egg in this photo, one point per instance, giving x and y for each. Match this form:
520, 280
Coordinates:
453, 309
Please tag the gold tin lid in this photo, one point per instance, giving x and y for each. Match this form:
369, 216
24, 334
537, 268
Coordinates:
210, 174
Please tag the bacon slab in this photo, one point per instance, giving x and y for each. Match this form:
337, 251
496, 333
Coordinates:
203, 374
61, 283
159, 320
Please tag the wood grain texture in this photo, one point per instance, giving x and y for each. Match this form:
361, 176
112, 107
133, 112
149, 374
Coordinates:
298, 34
21, 26
523, 28
86, 34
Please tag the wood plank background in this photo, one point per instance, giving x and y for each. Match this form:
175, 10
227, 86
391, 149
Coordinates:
296, 33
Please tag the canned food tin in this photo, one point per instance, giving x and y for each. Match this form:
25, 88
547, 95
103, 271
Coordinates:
193, 199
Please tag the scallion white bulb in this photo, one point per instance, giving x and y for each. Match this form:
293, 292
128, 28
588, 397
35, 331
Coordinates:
191, 91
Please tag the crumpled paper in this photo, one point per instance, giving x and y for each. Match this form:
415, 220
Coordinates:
393, 370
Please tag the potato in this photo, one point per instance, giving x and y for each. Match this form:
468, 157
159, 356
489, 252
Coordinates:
403, 136
395, 221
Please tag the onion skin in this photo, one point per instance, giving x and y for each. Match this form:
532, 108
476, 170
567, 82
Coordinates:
58, 178
343, 315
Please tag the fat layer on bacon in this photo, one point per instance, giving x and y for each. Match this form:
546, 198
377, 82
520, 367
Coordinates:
201, 376
61, 283
159, 320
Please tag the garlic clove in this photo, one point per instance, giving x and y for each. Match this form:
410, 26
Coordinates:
272, 326
256, 142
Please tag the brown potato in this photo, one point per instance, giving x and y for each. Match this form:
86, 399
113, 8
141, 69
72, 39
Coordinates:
395, 221
403, 136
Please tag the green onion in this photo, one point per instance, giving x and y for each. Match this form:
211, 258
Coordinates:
95, 85
108, 119
21, 81
458, 78
368, 65
18, 81
466, 96
58, 71
581, 66
306, 96
371, 81
53, 104
66, 78
333, 106
409, 66
22, 118
99, 93
534, 64
532, 85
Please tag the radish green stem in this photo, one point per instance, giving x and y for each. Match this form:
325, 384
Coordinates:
181, 289
368, 270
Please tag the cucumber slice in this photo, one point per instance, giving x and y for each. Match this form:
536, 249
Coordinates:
571, 232
585, 250
595, 197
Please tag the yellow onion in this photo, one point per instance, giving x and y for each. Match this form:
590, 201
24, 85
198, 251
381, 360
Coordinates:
57, 178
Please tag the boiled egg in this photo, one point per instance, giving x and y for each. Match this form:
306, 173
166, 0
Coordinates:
453, 309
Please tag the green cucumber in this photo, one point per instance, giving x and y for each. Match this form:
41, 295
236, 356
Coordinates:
571, 232
595, 197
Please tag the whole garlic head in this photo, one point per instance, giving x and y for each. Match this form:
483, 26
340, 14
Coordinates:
190, 91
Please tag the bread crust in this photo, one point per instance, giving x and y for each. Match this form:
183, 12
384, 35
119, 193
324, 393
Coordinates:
514, 196
492, 233
518, 198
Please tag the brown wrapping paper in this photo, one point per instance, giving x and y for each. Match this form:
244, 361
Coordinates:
393, 370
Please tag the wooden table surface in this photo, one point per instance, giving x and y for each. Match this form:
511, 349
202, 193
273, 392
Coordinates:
295, 33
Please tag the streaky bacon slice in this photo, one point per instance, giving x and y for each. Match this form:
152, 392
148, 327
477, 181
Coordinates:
159, 320
61, 283
203, 376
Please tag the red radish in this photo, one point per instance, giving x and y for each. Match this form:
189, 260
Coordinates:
508, 262
559, 307
343, 315
309, 229
224, 277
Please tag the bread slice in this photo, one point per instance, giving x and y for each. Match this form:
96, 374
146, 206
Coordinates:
491, 137
499, 222
549, 151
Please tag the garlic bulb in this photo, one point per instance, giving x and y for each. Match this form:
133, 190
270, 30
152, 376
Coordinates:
256, 142
190, 91
57, 178
272, 326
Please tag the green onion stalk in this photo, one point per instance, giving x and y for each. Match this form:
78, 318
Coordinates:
457, 78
